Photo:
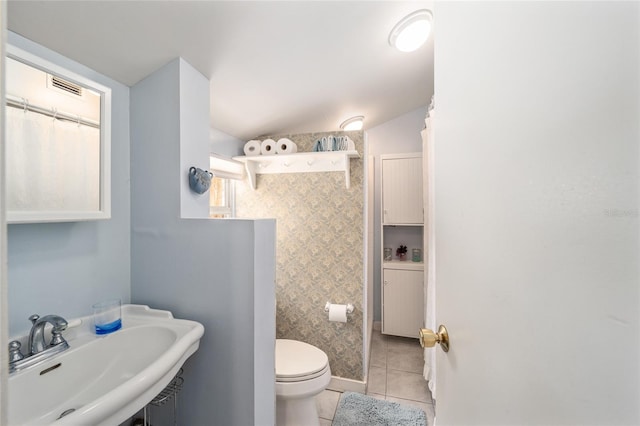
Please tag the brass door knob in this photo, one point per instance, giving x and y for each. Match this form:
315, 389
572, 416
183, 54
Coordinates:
428, 338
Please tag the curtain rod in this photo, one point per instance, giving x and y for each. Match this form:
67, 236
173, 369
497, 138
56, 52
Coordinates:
25, 105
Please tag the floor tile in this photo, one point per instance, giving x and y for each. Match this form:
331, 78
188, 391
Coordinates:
402, 342
326, 402
377, 335
429, 396
431, 414
395, 371
405, 385
377, 380
378, 343
405, 359
378, 357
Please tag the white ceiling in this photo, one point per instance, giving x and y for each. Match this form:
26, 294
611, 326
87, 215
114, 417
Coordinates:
274, 67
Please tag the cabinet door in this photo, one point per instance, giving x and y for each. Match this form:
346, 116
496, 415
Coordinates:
402, 302
402, 190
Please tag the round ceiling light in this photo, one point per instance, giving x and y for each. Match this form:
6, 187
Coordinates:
353, 123
412, 31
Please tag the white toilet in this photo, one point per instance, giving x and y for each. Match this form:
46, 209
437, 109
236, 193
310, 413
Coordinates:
302, 372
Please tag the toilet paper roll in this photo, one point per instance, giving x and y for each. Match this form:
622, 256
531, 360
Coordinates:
268, 147
286, 146
252, 148
338, 313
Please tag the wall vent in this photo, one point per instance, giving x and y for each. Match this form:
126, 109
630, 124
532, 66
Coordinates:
64, 85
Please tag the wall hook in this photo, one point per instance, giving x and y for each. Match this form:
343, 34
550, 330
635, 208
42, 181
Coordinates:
199, 180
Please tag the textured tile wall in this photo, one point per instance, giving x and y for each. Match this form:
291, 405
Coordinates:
319, 252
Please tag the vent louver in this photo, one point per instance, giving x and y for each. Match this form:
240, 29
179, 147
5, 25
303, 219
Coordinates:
66, 86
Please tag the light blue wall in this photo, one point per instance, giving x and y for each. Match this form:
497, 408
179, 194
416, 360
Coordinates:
194, 130
397, 136
64, 268
218, 272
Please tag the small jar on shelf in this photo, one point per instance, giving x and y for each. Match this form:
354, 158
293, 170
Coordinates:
387, 254
416, 255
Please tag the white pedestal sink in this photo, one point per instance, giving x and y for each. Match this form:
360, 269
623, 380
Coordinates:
104, 379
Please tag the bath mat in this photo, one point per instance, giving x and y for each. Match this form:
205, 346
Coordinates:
356, 409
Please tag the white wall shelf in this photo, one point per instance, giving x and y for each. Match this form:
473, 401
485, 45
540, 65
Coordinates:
302, 162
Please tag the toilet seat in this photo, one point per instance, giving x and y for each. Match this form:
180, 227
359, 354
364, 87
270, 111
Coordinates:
298, 361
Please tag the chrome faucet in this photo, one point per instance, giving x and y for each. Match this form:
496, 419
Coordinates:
36, 335
39, 351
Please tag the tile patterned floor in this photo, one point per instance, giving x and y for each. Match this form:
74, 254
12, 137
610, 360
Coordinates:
395, 374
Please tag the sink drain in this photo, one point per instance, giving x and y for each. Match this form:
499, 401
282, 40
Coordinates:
66, 412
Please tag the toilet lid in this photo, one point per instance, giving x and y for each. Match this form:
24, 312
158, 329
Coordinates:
296, 359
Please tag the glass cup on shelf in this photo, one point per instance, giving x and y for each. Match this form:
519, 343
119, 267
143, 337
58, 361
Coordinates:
387, 254
416, 255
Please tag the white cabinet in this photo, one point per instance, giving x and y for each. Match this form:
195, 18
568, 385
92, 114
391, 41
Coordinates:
403, 302
402, 189
402, 224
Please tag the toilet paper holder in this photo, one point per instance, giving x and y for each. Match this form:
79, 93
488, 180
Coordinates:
350, 307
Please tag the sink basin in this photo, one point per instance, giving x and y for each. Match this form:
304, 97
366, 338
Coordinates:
105, 379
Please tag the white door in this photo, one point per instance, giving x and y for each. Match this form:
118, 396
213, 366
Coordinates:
4, 327
536, 186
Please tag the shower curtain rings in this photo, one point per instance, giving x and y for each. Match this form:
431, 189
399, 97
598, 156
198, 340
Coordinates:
55, 113
78, 117
25, 103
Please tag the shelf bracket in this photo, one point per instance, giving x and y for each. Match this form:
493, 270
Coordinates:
347, 171
251, 173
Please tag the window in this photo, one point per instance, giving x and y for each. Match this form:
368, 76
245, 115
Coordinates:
221, 198
222, 191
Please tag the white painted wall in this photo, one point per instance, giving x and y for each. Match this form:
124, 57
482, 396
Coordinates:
537, 170
64, 268
400, 135
397, 136
218, 272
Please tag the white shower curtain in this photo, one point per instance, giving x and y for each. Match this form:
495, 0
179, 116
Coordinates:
430, 270
52, 165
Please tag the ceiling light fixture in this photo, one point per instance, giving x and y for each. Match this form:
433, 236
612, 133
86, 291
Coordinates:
353, 123
412, 31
